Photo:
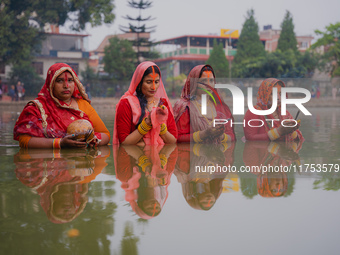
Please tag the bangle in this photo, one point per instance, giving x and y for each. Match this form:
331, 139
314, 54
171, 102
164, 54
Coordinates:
163, 159
196, 149
143, 162
273, 134
56, 143
225, 139
164, 129
143, 128
197, 138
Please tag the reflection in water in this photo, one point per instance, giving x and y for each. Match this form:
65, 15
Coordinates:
129, 241
271, 183
61, 178
145, 176
201, 189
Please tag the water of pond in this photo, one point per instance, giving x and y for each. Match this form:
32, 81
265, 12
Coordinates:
131, 201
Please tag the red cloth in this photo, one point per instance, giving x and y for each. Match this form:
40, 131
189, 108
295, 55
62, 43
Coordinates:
134, 181
263, 98
197, 121
47, 116
152, 137
45, 172
257, 154
185, 134
125, 125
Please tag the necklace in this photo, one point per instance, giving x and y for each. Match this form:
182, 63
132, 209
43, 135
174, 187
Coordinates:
151, 104
68, 104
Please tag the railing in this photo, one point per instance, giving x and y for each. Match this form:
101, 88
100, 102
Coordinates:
193, 50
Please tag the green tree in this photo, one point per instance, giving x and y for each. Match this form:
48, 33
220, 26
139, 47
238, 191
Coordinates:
21, 22
218, 61
25, 72
287, 38
138, 27
249, 45
118, 59
330, 39
250, 49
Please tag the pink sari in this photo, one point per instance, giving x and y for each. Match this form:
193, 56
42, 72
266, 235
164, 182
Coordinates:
152, 137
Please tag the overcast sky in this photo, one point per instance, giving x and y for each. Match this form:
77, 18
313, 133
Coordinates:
182, 17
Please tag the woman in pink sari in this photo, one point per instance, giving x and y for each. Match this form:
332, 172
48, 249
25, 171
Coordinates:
144, 114
191, 124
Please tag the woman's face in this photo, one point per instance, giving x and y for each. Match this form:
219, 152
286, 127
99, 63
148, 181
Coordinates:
64, 86
270, 100
207, 78
206, 200
150, 85
276, 184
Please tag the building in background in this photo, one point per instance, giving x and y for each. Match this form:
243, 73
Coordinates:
271, 36
58, 48
181, 54
96, 56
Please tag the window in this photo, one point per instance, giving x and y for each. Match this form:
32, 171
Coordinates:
38, 67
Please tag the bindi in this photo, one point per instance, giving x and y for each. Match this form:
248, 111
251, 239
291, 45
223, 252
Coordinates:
66, 79
153, 76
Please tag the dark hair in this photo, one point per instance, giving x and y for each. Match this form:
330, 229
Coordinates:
207, 68
141, 98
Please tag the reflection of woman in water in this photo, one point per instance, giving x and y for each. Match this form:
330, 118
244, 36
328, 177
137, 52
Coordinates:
258, 154
145, 176
61, 182
267, 130
201, 189
191, 124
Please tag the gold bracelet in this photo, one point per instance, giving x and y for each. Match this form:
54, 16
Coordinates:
273, 134
196, 149
225, 139
197, 138
143, 162
163, 159
164, 129
144, 128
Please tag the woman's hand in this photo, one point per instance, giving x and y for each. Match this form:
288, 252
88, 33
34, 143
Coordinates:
68, 141
212, 132
288, 128
148, 121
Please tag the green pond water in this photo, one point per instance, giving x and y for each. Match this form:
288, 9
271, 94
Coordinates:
132, 201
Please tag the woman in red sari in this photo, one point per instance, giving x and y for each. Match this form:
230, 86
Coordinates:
145, 176
270, 130
144, 114
62, 100
191, 124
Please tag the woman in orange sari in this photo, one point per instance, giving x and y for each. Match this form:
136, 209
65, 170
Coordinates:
144, 114
62, 100
266, 129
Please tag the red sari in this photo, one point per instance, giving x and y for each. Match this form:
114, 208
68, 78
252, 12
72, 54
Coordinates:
257, 154
128, 111
47, 116
134, 177
261, 133
189, 119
